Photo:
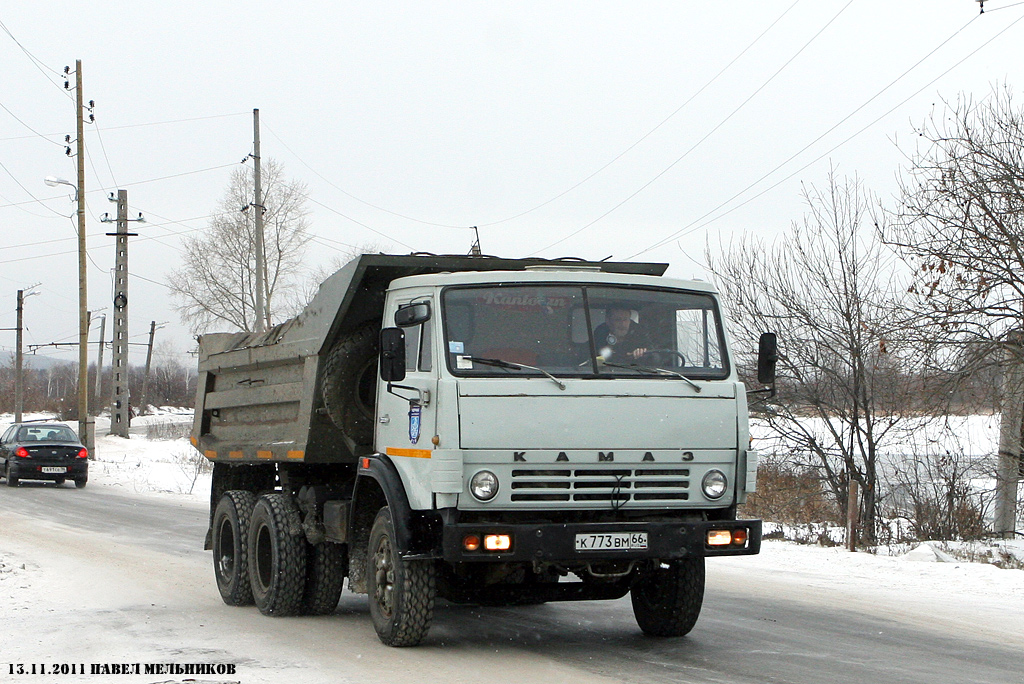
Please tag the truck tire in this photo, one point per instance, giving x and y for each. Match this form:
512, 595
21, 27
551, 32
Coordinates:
401, 592
231, 546
667, 601
325, 575
349, 383
277, 555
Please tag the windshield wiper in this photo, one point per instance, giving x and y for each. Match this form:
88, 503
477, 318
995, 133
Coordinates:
648, 369
501, 363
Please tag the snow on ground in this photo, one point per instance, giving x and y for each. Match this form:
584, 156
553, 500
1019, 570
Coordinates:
925, 586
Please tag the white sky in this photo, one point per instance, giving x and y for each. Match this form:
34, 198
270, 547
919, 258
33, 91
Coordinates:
462, 114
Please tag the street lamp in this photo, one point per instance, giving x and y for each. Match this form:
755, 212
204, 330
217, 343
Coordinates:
83, 313
53, 182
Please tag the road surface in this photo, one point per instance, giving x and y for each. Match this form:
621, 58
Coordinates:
94, 575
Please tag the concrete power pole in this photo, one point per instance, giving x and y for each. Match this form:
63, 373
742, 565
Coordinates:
149, 363
99, 363
261, 260
1011, 427
119, 409
19, 389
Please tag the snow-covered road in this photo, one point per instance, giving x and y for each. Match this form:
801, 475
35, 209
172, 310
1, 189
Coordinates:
106, 576
115, 574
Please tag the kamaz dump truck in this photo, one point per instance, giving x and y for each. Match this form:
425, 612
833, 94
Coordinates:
484, 430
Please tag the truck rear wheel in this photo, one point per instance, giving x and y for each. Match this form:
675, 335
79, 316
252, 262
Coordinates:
667, 600
277, 555
230, 546
325, 575
401, 592
349, 383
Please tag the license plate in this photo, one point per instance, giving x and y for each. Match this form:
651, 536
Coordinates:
53, 469
611, 541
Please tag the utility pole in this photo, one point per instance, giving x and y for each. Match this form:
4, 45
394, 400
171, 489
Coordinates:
1011, 425
119, 408
149, 362
261, 259
99, 363
19, 389
84, 432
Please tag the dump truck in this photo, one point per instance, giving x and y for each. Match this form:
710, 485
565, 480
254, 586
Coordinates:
483, 430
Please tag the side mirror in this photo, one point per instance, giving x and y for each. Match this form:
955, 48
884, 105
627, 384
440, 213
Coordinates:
412, 314
767, 357
392, 354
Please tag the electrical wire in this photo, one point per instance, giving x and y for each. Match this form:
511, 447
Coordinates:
691, 227
39, 64
34, 131
652, 131
706, 135
359, 223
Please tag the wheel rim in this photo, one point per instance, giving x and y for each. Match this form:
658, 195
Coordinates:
384, 578
264, 557
226, 550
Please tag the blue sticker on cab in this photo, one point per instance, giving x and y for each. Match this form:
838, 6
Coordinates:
456, 347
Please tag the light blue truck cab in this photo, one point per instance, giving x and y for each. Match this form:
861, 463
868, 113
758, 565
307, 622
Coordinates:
523, 432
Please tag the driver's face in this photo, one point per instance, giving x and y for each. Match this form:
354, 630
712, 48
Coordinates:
618, 322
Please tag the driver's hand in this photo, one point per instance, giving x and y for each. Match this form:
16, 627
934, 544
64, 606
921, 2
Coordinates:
637, 353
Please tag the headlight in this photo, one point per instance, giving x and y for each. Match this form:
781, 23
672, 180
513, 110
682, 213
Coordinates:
484, 485
714, 484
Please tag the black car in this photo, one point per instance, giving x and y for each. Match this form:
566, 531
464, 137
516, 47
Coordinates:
43, 451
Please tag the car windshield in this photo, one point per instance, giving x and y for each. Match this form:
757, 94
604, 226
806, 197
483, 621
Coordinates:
46, 433
583, 330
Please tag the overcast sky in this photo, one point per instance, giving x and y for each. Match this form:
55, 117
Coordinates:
633, 130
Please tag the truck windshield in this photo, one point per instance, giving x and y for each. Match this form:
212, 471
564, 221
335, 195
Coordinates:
582, 330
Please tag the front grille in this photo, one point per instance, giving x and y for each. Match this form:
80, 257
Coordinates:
609, 485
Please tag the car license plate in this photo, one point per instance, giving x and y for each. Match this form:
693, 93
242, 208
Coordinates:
53, 469
611, 541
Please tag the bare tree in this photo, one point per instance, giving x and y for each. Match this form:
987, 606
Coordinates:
216, 284
844, 387
960, 225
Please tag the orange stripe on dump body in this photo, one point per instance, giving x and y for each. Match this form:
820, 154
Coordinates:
296, 454
236, 454
264, 454
413, 453
210, 454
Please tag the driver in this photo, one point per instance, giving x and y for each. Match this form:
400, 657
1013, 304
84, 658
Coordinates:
619, 336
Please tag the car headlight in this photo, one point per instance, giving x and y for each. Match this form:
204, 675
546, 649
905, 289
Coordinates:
484, 485
714, 484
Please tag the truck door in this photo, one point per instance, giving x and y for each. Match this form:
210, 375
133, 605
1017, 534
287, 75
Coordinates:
406, 416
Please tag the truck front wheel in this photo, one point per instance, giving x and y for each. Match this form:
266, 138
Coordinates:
277, 555
667, 596
231, 546
401, 592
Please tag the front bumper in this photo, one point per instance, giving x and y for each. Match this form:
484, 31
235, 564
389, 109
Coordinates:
557, 542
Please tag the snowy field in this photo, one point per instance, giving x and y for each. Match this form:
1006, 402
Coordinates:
924, 587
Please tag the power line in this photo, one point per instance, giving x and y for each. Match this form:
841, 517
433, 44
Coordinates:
359, 223
706, 135
141, 125
691, 227
37, 63
37, 133
651, 132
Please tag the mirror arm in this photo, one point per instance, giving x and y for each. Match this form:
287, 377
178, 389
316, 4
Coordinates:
422, 396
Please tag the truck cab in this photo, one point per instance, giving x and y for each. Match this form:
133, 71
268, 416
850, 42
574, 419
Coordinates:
549, 431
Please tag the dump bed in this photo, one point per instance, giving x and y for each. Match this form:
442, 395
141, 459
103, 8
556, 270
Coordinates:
260, 395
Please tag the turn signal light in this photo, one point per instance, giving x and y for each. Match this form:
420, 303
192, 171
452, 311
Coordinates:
719, 537
737, 537
497, 542
471, 542
83, 453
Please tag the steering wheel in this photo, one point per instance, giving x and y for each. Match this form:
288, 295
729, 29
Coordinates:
661, 356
